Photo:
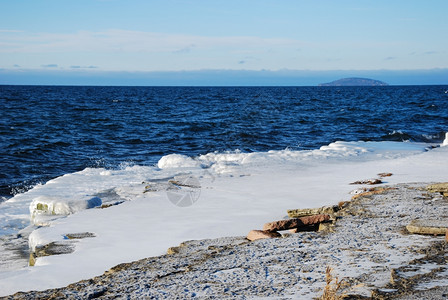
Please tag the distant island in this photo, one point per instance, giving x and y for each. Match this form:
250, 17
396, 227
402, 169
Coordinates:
355, 82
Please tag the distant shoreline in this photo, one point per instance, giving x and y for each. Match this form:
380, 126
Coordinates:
220, 78
355, 81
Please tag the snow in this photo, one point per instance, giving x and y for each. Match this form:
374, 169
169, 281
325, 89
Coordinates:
233, 193
176, 161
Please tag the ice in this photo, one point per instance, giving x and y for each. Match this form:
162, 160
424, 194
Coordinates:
233, 193
43, 207
445, 141
176, 161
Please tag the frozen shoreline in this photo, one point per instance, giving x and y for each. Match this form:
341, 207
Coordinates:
369, 246
238, 192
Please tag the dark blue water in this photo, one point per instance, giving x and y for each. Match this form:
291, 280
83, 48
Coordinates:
48, 131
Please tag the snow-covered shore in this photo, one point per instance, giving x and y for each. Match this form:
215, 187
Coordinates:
368, 248
160, 207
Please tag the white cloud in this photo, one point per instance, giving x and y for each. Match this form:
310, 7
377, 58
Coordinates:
83, 67
119, 50
9, 31
50, 66
132, 41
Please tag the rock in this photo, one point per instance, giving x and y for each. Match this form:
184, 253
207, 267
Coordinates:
326, 227
314, 227
80, 235
385, 174
32, 260
295, 223
446, 235
107, 205
342, 204
438, 187
370, 192
53, 248
303, 212
441, 188
368, 181
424, 226
262, 234
172, 250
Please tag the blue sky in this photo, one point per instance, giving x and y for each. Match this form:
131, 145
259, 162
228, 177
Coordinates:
88, 38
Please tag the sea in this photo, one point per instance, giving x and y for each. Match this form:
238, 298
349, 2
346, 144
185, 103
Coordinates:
49, 131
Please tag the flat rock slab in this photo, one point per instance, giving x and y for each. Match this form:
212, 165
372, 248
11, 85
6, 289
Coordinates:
80, 235
295, 223
439, 188
304, 212
261, 234
425, 226
53, 248
385, 174
368, 181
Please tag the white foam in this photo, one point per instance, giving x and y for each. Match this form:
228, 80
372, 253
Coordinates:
445, 141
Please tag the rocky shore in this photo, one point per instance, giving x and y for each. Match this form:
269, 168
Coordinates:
367, 245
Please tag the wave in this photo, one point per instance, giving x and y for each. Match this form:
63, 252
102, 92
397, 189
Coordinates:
445, 141
404, 136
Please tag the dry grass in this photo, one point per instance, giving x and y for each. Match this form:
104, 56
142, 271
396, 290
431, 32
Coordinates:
372, 191
335, 289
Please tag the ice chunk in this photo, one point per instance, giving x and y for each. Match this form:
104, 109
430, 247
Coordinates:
43, 208
176, 161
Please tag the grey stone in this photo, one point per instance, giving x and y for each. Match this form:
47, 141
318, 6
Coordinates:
428, 226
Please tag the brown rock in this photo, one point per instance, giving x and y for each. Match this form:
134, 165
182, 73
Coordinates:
342, 204
172, 250
368, 181
446, 235
303, 212
32, 260
441, 188
385, 174
295, 223
262, 234
326, 227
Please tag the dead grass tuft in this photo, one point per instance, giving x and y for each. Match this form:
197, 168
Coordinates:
372, 191
341, 204
336, 289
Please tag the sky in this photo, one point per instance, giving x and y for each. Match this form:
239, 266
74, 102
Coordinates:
83, 40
